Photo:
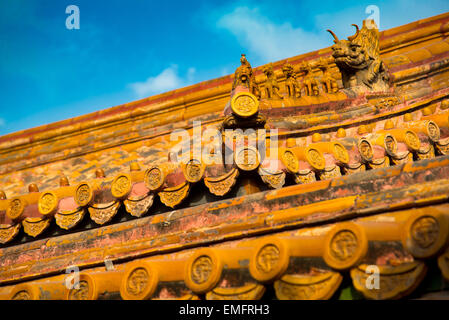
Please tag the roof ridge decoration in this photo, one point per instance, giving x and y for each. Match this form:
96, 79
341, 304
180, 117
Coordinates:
392, 40
245, 77
358, 59
242, 111
399, 141
360, 73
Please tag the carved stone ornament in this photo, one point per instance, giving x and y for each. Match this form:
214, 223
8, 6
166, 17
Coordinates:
203, 270
402, 158
137, 207
121, 186
154, 178
83, 194
244, 77
271, 85
345, 247
139, 282
24, 291
290, 161
443, 146
426, 127
68, 220
193, 170
8, 232
47, 203
340, 153
267, 258
22, 295
386, 103
15, 208
247, 158
394, 281
251, 291
307, 287
379, 163
35, 226
383, 140
427, 152
328, 82
222, 184
411, 140
305, 176
425, 233
103, 213
269, 261
81, 293
353, 168
358, 59
292, 87
365, 150
171, 197
275, 180
390, 145
315, 158
433, 131
309, 82
330, 173
244, 104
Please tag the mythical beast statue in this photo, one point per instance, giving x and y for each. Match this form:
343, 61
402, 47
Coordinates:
242, 111
292, 87
271, 85
244, 77
359, 60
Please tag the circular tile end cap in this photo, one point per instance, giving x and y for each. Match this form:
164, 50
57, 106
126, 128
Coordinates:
15, 209
83, 194
139, 281
345, 246
85, 289
203, 270
425, 233
48, 203
244, 104
121, 186
269, 260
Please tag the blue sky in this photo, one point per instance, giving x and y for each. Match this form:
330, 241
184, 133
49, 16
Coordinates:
127, 50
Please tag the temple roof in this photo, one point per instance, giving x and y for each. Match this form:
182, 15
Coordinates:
125, 133
139, 132
362, 155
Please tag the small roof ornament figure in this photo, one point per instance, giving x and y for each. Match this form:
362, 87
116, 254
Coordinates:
244, 78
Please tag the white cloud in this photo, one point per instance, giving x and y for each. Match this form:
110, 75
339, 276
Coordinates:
167, 80
266, 40
2, 122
